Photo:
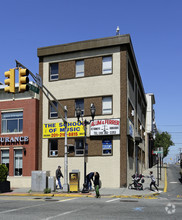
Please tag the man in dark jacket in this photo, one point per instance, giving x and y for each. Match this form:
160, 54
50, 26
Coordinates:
58, 176
89, 177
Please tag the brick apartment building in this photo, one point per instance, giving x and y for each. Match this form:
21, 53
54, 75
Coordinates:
104, 72
19, 135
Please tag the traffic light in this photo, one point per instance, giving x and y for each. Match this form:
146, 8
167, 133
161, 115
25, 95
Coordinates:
10, 81
23, 80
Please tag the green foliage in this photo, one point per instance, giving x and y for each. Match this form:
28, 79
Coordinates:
3, 173
163, 140
47, 190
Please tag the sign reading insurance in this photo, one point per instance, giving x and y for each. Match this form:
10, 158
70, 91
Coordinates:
57, 130
105, 127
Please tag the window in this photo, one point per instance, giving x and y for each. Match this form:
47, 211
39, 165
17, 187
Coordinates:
18, 167
139, 98
53, 112
107, 65
5, 158
80, 68
80, 103
12, 122
54, 71
107, 105
130, 76
130, 148
79, 150
53, 147
107, 147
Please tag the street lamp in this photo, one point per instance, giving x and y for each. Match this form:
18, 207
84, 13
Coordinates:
85, 123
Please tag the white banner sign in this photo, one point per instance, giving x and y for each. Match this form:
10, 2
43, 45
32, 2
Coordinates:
105, 127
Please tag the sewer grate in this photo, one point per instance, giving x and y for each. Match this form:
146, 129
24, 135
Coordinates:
128, 201
52, 200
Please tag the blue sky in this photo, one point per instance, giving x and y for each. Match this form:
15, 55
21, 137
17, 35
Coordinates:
154, 26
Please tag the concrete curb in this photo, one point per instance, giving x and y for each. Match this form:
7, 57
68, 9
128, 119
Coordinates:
43, 195
149, 196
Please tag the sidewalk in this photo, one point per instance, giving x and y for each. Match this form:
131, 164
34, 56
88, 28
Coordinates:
105, 192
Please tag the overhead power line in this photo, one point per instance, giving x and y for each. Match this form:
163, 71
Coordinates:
169, 125
174, 131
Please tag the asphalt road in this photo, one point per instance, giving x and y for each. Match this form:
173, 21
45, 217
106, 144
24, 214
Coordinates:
166, 206
174, 187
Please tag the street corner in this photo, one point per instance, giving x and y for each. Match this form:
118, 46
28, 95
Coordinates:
137, 196
151, 196
154, 194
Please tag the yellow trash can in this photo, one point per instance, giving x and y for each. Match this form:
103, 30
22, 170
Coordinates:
74, 181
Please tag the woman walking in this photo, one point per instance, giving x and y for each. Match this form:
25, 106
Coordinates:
96, 184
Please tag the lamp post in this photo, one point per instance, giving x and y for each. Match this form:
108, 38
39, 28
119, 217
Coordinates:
85, 123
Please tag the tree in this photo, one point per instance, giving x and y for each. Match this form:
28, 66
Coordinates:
163, 140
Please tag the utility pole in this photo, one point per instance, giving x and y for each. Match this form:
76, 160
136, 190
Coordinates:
47, 93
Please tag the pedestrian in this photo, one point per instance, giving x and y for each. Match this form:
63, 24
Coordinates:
58, 176
97, 184
89, 177
153, 181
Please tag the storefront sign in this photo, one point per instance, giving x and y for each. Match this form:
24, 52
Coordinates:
33, 88
14, 140
57, 130
106, 147
105, 127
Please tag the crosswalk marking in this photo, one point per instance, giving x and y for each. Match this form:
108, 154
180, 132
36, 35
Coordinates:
113, 200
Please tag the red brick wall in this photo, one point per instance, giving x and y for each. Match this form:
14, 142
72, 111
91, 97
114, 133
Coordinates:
30, 128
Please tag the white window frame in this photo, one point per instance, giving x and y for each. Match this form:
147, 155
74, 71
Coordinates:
20, 161
16, 130
77, 105
5, 158
53, 112
54, 76
107, 65
79, 68
53, 153
107, 105
79, 151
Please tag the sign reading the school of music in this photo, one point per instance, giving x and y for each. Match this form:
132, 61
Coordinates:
57, 130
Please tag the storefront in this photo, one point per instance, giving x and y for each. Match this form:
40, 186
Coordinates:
18, 135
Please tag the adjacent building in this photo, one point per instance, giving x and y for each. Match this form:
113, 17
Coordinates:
151, 129
19, 134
